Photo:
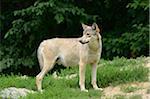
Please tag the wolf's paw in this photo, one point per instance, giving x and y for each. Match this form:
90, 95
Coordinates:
84, 90
100, 89
41, 91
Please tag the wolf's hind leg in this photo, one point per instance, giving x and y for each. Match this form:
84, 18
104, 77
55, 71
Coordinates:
48, 60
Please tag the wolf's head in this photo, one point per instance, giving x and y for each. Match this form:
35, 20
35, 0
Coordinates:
90, 34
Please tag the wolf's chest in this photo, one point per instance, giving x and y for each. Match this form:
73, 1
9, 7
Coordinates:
93, 58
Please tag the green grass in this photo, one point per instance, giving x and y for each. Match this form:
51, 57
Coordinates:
120, 70
129, 89
119, 96
135, 97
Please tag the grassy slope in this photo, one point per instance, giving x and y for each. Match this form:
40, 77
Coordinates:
120, 70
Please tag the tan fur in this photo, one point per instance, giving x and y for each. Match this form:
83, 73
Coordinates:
71, 52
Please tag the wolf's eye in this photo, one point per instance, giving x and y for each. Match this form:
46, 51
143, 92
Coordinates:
87, 34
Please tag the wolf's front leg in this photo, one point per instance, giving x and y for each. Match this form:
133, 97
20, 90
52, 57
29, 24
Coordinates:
82, 70
94, 73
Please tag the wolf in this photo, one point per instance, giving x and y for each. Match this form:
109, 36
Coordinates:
72, 52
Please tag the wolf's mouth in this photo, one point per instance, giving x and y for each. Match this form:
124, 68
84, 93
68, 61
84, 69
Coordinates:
83, 42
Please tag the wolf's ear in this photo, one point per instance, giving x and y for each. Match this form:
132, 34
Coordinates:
84, 26
95, 27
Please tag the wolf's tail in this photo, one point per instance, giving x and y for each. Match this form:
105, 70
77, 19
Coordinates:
40, 57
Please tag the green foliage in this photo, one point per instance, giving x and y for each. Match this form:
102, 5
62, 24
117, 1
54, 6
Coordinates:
22, 40
136, 4
24, 24
129, 44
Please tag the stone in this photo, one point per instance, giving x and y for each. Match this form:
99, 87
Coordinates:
14, 93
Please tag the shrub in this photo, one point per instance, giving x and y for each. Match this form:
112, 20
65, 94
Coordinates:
129, 44
24, 24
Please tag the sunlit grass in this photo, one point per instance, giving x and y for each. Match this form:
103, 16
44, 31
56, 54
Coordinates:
119, 70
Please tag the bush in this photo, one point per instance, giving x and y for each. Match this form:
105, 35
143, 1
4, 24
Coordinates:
129, 44
24, 24
19, 45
